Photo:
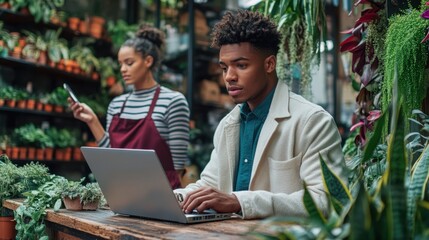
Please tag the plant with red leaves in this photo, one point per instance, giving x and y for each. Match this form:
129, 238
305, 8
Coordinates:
425, 15
365, 63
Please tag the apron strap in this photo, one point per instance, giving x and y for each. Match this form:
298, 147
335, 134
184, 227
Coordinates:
152, 105
123, 105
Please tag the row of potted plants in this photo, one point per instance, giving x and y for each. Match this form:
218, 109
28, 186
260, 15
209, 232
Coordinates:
19, 98
42, 10
33, 143
41, 190
49, 49
55, 101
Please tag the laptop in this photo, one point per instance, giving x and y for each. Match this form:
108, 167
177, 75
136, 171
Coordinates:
135, 184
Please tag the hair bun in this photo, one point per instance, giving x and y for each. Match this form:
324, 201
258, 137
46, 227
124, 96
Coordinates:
152, 34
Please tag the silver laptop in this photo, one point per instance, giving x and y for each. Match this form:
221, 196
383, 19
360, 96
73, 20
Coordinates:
135, 184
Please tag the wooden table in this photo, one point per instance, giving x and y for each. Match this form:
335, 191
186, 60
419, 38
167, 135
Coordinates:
104, 224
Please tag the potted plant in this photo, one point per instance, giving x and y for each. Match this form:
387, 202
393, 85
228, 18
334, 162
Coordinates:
14, 182
119, 31
84, 56
43, 10
57, 47
108, 69
35, 47
58, 98
71, 195
91, 196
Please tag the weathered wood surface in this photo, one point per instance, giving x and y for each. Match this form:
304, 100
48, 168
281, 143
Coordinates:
105, 224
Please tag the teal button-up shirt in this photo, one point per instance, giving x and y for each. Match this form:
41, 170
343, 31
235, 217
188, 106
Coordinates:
250, 128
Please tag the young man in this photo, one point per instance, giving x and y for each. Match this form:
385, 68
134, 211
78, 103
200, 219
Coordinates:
269, 144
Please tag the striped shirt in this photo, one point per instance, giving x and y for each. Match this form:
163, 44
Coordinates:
171, 117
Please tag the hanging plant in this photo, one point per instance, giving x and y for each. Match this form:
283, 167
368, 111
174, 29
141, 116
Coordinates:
405, 52
303, 25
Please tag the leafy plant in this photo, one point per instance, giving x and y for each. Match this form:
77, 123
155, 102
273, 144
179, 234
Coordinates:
120, 31
58, 97
61, 138
303, 24
30, 215
16, 181
57, 47
71, 189
396, 208
43, 10
405, 52
91, 193
35, 44
108, 68
30, 135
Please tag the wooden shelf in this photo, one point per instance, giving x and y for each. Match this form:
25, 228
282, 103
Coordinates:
35, 112
14, 18
17, 62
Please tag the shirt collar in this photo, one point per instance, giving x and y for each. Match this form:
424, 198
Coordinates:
261, 111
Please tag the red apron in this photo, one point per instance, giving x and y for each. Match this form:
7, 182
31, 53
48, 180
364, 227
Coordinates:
143, 134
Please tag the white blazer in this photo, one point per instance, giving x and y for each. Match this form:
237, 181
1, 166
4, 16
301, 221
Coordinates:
287, 154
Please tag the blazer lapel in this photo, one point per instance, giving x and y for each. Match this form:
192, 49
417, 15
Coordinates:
279, 110
232, 133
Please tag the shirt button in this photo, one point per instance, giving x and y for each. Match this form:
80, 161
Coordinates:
245, 160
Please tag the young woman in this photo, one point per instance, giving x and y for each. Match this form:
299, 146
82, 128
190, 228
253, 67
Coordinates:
151, 116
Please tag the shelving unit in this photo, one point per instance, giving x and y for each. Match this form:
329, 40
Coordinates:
42, 78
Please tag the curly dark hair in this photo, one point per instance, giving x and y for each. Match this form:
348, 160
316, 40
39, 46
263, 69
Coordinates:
247, 26
148, 41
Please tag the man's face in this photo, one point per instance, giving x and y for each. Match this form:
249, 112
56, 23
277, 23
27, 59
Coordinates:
246, 73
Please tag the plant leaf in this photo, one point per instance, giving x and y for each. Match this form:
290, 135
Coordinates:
311, 207
334, 185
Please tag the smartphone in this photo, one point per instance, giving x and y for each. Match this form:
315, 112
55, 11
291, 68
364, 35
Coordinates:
71, 94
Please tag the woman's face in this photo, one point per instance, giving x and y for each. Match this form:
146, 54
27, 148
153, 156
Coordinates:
133, 66
249, 74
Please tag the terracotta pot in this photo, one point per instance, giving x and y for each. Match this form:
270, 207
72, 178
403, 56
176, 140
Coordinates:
92, 206
48, 107
9, 151
83, 27
11, 103
21, 104
2, 102
31, 153
49, 154
67, 154
69, 64
7, 228
110, 81
22, 153
72, 204
21, 42
59, 154
31, 103
39, 106
77, 154
40, 154
43, 58
73, 23
16, 53
58, 109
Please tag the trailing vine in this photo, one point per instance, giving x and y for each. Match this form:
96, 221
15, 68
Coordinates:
303, 25
408, 57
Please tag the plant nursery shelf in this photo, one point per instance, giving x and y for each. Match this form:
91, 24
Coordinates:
15, 62
13, 18
35, 112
